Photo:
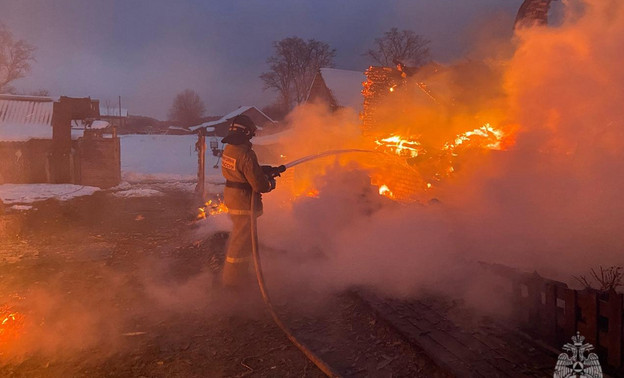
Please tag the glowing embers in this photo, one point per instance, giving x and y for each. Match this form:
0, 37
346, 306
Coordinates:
385, 191
400, 146
486, 137
11, 326
212, 208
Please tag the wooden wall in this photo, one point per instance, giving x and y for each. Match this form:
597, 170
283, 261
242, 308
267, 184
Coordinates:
551, 311
98, 162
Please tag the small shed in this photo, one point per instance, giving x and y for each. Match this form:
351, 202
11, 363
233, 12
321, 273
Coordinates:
39, 145
220, 126
338, 88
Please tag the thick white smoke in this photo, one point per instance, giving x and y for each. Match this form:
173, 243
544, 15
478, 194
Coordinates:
551, 203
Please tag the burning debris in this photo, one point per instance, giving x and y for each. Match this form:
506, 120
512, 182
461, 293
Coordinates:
11, 327
212, 208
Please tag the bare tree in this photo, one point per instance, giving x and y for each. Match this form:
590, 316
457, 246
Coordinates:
293, 66
15, 58
187, 109
404, 45
609, 279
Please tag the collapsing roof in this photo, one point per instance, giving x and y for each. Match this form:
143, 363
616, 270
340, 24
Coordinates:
341, 88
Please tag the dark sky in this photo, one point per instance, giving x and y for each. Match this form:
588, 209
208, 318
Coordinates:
148, 50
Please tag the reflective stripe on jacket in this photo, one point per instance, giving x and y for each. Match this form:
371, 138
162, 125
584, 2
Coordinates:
240, 164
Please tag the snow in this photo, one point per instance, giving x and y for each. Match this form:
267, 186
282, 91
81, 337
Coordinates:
21, 207
138, 192
29, 193
161, 158
345, 86
150, 164
229, 116
112, 111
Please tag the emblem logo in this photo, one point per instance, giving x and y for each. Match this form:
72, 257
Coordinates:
228, 162
575, 364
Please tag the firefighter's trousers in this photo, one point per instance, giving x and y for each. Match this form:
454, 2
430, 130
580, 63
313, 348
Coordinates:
236, 270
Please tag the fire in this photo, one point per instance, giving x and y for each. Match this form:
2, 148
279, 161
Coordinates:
434, 163
11, 326
385, 191
492, 138
400, 146
212, 208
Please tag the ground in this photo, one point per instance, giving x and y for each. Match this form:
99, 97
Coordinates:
109, 286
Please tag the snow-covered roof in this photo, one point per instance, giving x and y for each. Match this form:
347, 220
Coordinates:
78, 124
209, 126
30, 117
25, 117
112, 111
240, 110
345, 86
27, 110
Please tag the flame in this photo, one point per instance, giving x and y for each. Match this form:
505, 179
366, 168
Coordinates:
385, 191
493, 138
212, 208
400, 146
11, 326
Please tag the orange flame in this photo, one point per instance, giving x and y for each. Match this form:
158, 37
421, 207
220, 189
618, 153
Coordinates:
211, 208
492, 138
385, 191
11, 326
400, 146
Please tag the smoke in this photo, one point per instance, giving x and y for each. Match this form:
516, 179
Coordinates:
550, 203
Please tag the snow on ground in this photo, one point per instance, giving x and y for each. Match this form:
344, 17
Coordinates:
150, 165
29, 193
138, 192
162, 158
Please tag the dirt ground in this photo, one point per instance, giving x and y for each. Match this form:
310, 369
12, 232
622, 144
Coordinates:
125, 287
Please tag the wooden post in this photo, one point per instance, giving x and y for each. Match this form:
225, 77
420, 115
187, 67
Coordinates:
614, 335
200, 147
587, 323
61, 142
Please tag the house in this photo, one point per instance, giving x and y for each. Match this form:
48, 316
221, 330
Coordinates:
50, 140
220, 126
338, 88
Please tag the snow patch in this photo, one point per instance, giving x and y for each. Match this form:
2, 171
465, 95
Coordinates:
29, 193
138, 192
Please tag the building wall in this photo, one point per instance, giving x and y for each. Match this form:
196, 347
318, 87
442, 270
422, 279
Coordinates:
98, 162
25, 162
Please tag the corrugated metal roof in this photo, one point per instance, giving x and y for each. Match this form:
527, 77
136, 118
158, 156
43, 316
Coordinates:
26, 110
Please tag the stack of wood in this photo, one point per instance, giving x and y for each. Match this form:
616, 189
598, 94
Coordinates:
378, 84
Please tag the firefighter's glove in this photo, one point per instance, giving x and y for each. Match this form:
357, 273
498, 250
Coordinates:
272, 183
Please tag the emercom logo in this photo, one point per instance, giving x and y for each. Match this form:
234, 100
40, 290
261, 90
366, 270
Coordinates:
575, 364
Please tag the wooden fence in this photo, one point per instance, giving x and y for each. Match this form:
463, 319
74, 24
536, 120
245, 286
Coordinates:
552, 312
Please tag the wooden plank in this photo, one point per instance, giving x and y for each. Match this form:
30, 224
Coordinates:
587, 322
614, 335
548, 314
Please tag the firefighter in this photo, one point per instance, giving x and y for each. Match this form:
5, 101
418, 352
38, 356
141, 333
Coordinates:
243, 174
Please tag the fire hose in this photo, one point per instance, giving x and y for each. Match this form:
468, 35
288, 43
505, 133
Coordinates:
273, 172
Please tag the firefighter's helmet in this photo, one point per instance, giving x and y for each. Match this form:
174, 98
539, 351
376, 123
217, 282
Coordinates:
241, 129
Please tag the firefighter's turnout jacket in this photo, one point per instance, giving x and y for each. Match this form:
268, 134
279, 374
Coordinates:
243, 175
